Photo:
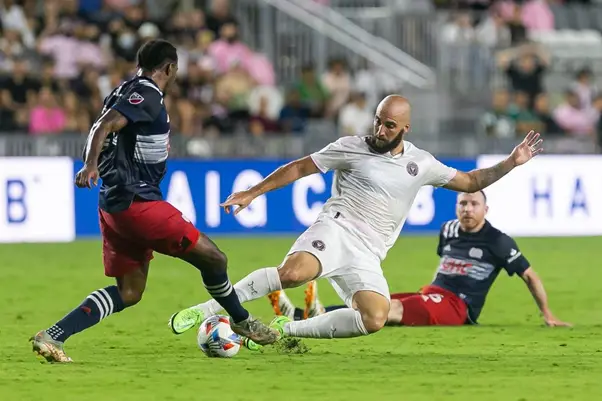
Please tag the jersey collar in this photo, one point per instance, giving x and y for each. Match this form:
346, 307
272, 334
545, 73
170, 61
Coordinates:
151, 83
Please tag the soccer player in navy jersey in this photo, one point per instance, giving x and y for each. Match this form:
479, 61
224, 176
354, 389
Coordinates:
472, 254
127, 148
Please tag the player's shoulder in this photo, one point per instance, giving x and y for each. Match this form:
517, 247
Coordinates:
140, 90
351, 143
416, 152
450, 229
499, 238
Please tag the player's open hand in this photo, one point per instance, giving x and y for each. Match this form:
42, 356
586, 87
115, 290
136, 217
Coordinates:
86, 175
241, 199
527, 149
552, 321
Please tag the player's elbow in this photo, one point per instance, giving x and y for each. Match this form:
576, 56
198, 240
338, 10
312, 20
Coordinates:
374, 320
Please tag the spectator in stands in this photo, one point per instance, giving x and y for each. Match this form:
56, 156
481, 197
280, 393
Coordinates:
194, 96
295, 114
355, 118
337, 82
458, 30
18, 94
228, 48
219, 15
525, 67
584, 88
313, 93
512, 14
543, 113
537, 16
523, 115
574, 120
497, 122
262, 121
234, 87
493, 31
13, 18
47, 117
76, 121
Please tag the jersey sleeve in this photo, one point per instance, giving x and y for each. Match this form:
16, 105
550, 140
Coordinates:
439, 174
512, 258
142, 105
441, 240
334, 156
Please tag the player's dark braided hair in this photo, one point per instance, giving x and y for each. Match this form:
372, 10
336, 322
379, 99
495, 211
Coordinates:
155, 54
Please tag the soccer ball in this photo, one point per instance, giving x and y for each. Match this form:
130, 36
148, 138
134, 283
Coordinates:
216, 338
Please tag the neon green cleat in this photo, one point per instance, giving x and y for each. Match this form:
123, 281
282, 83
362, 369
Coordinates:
278, 324
250, 344
185, 320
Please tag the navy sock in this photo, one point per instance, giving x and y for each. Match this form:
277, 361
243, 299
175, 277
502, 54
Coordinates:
219, 287
97, 306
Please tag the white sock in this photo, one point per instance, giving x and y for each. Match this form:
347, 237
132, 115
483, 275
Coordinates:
256, 285
340, 323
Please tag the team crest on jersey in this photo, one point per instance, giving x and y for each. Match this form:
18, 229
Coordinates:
135, 98
412, 169
319, 245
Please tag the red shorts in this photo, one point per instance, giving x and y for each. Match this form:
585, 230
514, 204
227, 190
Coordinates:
129, 237
432, 306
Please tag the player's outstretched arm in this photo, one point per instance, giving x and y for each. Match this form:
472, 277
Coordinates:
541, 298
110, 121
477, 180
281, 177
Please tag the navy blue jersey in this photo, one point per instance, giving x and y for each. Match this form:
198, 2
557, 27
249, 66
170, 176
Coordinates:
132, 162
470, 262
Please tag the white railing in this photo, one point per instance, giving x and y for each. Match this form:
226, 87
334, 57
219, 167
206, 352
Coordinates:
333, 25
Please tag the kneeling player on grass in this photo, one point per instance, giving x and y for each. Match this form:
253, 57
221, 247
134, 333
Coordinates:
472, 253
127, 148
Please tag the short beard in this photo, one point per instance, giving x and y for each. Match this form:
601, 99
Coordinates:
385, 147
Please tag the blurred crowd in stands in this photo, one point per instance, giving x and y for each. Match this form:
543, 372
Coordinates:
505, 26
60, 58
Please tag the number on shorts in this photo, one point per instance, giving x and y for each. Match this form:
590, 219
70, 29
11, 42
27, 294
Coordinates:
436, 298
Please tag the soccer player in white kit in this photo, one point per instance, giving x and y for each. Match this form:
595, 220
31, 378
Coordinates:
376, 179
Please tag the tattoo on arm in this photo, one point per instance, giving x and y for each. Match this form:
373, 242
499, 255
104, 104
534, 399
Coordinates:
486, 176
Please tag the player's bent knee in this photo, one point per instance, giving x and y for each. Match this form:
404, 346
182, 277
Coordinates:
130, 296
374, 320
298, 269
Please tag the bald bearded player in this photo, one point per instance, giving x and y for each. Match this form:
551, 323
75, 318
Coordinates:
376, 179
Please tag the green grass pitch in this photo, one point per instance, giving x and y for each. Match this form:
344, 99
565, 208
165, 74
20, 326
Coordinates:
133, 355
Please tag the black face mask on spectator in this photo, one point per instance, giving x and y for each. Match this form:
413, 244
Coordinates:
232, 39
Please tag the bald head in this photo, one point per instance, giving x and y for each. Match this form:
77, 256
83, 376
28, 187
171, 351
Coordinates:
396, 108
391, 122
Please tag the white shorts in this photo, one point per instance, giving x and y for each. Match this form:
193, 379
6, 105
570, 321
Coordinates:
346, 262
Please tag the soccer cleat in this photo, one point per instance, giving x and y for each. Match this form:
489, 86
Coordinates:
278, 324
185, 320
313, 306
255, 331
50, 349
281, 304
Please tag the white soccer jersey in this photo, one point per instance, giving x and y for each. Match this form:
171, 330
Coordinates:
374, 192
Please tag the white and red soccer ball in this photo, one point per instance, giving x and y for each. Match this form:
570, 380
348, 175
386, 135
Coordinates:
216, 338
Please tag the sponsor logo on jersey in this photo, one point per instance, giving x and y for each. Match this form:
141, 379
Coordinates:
474, 269
135, 98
